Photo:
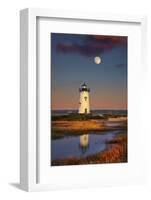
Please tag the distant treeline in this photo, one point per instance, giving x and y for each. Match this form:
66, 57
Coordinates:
83, 117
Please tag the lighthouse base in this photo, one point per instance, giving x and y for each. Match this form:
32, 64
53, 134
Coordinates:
86, 111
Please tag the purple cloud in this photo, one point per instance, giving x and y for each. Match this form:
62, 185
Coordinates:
93, 45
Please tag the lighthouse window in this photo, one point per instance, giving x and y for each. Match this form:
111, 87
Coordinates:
85, 98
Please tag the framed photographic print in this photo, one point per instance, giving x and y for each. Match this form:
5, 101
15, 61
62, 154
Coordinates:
81, 88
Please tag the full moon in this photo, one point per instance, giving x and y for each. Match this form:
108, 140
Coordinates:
97, 60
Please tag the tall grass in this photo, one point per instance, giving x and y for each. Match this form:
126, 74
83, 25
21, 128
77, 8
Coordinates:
83, 117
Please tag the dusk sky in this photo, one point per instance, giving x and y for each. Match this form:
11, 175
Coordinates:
72, 64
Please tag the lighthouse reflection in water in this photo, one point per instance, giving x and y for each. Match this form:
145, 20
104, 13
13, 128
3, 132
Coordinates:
84, 143
81, 145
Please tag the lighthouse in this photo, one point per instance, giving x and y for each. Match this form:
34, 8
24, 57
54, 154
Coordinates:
84, 103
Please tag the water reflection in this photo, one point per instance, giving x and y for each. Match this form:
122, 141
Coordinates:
84, 143
80, 145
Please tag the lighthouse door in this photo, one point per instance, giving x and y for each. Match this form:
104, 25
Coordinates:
85, 110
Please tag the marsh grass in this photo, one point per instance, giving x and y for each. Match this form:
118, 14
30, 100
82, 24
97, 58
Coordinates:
84, 117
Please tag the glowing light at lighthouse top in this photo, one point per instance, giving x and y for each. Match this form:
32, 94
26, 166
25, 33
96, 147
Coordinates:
84, 88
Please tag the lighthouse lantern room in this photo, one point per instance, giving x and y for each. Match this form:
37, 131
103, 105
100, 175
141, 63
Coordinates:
84, 103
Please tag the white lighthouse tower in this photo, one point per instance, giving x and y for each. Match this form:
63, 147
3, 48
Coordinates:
84, 104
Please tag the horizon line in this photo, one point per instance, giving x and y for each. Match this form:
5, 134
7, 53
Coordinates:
92, 109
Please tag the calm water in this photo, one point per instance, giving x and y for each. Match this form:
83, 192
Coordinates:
84, 144
81, 145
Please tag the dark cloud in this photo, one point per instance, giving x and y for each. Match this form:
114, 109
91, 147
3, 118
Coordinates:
114, 40
93, 45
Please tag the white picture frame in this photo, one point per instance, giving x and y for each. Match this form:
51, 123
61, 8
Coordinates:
29, 148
